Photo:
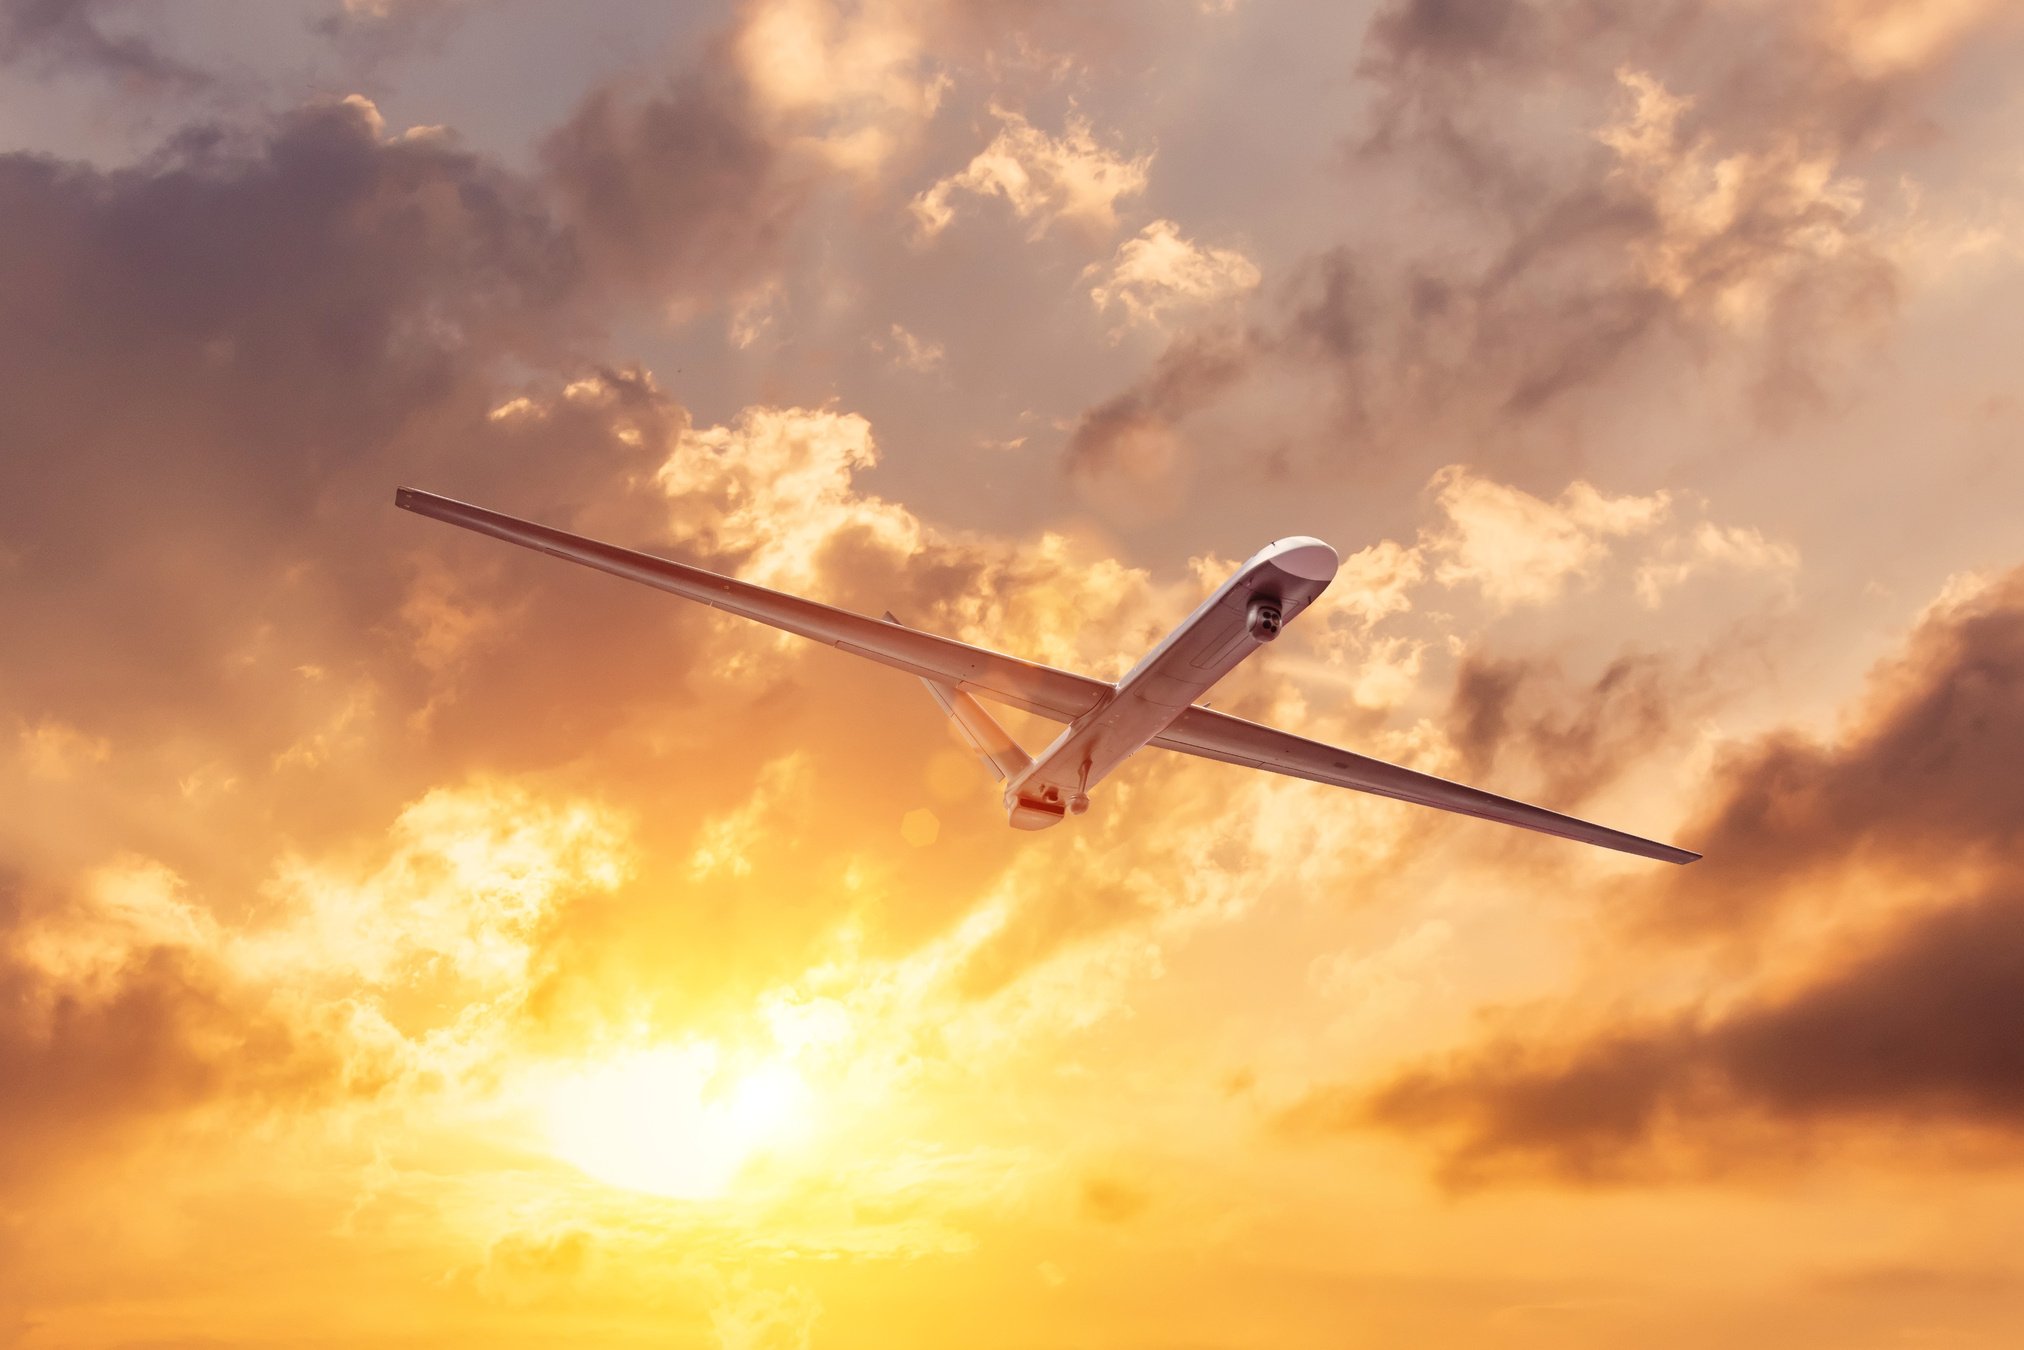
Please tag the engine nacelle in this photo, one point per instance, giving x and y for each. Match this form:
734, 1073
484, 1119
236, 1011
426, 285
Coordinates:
1263, 620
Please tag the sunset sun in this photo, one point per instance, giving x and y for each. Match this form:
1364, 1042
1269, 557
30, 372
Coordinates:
674, 1120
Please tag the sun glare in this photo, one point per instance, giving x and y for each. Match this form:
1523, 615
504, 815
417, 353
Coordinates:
674, 1120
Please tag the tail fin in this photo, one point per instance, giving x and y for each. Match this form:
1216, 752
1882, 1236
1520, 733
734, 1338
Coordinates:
1003, 754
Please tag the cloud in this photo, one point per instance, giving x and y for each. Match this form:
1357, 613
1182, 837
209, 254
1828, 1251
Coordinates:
1641, 220
52, 749
852, 82
1611, 202
1377, 582
228, 356
1885, 38
1517, 549
1770, 240
147, 1006
911, 352
1917, 781
1044, 179
72, 35
1133, 436
1922, 1031
1712, 217
471, 877
1575, 739
1906, 822
267, 313
1713, 548
120, 1014
748, 1317
1159, 271
729, 842
775, 489
682, 190
378, 29
1842, 73
1642, 231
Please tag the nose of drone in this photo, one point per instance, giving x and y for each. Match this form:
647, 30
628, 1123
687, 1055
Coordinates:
1304, 557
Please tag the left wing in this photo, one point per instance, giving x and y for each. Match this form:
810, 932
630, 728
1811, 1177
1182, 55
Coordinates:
1214, 735
1059, 694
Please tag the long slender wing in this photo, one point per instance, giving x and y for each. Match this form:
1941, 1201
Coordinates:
1039, 689
1214, 735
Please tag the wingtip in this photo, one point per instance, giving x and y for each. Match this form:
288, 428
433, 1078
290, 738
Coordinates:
404, 498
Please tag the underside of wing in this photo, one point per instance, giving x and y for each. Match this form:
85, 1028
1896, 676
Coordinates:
1043, 690
1214, 735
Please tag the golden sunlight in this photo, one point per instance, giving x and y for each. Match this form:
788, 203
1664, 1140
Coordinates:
674, 1120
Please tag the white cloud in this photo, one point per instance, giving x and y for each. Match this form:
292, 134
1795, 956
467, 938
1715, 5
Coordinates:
1159, 271
850, 82
1046, 179
1712, 547
1713, 212
911, 352
470, 874
1885, 37
1519, 549
776, 487
1376, 582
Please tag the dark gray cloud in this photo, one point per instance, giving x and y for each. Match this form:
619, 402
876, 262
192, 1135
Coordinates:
677, 191
1577, 738
75, 36
1926, 1031
161, 1032
207, 356
218, 365
1444, 67
390, 29
1925, 778
1558, 267
1925, 1024
1128, 435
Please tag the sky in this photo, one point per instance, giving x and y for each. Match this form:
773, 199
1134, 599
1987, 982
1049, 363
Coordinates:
408, 939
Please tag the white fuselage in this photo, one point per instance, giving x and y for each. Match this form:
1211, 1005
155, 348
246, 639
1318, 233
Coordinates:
1277, 583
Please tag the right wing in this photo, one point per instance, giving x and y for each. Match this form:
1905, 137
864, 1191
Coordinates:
1058, 694
1214, 735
